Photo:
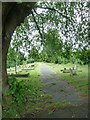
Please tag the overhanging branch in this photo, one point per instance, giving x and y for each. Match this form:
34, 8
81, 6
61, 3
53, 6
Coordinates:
53, 9
37, 25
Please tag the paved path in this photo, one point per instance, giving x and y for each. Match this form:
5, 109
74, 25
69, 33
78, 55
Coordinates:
60, 90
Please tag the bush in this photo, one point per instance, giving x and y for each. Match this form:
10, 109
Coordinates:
65, 61
31, 60
21, 89
78, 61
15, 88
72, 60
60, 60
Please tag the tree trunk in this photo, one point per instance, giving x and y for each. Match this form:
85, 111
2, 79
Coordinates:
4, 61
12, 15
16, 69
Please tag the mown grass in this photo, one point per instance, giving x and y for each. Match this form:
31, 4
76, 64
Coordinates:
30, 87
29, 97
79, 81
35, 99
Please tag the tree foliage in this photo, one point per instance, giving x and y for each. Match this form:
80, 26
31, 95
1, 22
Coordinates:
54, 32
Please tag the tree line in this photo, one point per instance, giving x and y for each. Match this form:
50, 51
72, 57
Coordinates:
54, 32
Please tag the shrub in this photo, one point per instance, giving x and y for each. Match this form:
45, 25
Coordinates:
31, 60
60, 60
15, 90
21, 89
65, 61
78, 61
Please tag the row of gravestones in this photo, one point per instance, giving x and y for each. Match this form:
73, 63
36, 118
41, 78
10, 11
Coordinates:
29, 67
19, 69
72, 71
22, 67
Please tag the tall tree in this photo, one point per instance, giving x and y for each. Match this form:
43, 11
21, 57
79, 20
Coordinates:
12, 14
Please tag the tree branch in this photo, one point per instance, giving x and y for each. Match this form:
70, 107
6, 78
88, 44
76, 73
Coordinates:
37, 25
42, 22
53, 9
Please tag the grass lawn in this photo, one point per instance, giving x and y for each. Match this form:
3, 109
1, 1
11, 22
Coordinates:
26, 96
27, 93
79, 81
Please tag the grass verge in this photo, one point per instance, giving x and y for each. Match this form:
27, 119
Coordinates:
26, 96
79, 81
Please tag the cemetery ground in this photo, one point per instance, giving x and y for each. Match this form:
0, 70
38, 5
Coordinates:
36, 95
79, 81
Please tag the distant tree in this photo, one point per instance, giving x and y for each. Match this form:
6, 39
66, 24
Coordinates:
14, 58
60, 29
33, 53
